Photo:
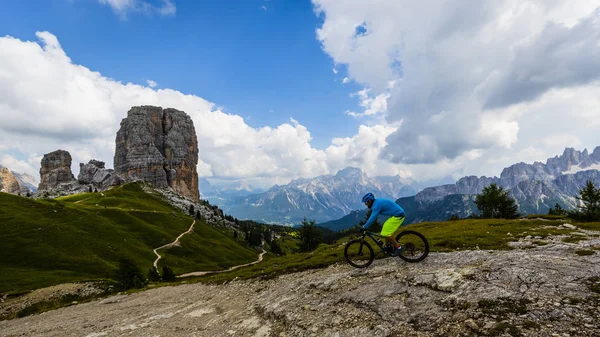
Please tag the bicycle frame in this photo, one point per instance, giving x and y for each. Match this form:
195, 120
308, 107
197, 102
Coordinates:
373, 237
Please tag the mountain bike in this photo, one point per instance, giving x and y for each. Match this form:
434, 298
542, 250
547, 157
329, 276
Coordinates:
360, 254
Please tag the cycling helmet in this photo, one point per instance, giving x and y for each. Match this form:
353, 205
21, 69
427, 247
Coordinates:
367, 197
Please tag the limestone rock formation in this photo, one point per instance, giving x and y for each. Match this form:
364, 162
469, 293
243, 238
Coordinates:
9, 183
55, 170
158, 146
93, 173
57, 178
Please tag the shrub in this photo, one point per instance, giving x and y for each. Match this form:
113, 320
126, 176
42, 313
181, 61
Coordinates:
129, 275
153, 275
167, 274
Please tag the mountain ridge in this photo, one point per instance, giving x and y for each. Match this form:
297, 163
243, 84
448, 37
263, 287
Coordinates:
324, 197
535, 187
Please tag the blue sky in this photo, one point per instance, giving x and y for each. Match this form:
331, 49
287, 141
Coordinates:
432, 90
264, 65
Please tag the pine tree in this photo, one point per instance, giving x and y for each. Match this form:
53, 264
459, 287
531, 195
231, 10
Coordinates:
557, 210
309, 235
590, 199
276, 248
494, 202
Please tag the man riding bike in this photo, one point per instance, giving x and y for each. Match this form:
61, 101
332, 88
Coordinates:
392, 225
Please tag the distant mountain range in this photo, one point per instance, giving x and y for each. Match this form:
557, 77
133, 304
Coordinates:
218, 193
322, 198
536, 187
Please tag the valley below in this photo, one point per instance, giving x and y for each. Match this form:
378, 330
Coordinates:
544, 286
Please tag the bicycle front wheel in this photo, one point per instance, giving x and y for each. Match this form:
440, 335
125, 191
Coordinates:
359, 253
415, 247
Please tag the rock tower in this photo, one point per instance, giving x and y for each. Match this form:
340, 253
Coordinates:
55, 170
158, 146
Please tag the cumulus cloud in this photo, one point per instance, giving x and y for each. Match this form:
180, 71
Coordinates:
47, 103
468, 73
362, 150
151, 83
372, 104
123, 7
20, 166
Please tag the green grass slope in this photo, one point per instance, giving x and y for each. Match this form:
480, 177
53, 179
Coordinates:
82, 237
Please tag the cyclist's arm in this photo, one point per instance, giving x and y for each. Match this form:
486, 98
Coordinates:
374, 214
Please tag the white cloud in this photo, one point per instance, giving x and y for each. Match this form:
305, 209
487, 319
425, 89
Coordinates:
372, 105
346, 80
122, 7
335, 71
20, 166
151, 83
470, 75
49, 103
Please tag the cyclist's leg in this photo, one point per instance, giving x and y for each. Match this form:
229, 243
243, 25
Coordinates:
390, 228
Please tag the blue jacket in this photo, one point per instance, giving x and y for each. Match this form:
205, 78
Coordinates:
384, 207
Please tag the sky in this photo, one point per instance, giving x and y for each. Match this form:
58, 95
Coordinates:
432, 90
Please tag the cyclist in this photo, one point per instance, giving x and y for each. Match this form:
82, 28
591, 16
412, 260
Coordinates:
391, 225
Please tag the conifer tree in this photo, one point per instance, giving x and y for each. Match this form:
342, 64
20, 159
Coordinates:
589, 210
309, 235
494, 202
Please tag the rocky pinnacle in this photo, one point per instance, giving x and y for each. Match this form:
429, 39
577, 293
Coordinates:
158, 146
55, 169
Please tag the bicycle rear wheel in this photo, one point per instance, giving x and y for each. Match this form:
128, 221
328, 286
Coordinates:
358, 253
415, 246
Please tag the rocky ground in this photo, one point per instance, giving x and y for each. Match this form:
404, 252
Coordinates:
538, 289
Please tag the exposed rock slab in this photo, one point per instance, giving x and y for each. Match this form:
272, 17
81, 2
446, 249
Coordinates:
544, 290
158, 146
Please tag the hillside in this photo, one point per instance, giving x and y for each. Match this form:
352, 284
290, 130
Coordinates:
81, 237
528, 277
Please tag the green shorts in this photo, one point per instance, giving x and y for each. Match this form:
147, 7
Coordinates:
391, 225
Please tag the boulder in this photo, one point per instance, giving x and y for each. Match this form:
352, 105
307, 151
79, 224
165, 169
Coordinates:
93, 173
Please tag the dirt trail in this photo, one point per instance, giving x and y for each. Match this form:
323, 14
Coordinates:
200, 273
176, 242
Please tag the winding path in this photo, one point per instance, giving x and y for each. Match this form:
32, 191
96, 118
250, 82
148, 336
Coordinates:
200, 273
170, 245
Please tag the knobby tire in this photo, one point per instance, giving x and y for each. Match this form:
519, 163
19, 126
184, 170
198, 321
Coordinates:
365, 249
426, 243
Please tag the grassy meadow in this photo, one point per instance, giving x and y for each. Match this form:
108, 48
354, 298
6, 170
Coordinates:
79, 238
